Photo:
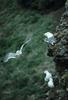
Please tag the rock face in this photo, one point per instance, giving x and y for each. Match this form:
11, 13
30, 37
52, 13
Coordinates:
60, 50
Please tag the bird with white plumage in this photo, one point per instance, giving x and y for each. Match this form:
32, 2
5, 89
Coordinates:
49, 38
48, 75
15, 55
48, 78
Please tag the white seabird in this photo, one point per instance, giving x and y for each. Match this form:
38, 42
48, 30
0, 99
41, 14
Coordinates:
48, 75
15, 55
48, 78
49, 38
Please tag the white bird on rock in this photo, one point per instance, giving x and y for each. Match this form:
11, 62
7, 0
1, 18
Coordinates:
48, 78
15, 55
48, 75
49, 38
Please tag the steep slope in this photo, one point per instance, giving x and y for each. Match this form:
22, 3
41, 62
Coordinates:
59, 52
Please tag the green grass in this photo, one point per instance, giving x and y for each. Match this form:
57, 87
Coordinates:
23, 78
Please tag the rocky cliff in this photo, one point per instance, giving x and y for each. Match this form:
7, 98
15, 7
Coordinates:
60, 50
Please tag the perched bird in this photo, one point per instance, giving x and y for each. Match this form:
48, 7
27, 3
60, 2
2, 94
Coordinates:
15, 55
49, 38
48, 78
48, 75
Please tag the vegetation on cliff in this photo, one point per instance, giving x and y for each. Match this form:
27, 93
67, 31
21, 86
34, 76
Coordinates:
23, 78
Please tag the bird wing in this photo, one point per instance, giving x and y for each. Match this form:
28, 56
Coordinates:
24, 44
9, 56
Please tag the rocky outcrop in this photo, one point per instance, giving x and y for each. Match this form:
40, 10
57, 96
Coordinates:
60, 50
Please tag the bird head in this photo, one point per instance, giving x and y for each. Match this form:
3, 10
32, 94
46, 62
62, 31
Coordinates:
18, 52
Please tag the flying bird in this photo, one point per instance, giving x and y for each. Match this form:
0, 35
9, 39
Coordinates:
16, 54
